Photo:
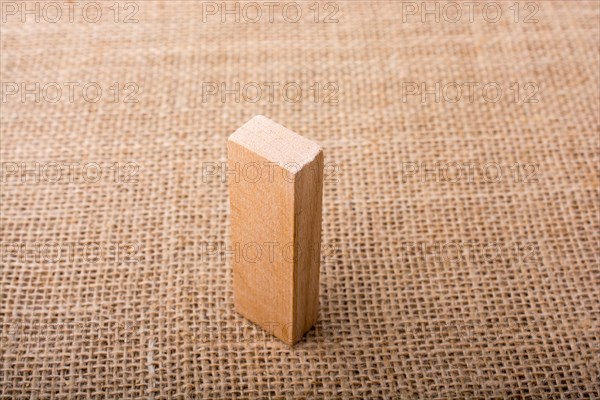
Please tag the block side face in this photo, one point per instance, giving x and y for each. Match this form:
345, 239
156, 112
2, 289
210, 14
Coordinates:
262, 231
307, 228
276, 143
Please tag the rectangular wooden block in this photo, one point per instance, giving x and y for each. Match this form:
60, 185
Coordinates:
275, 181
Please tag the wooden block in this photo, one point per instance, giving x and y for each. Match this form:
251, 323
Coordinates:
275, 189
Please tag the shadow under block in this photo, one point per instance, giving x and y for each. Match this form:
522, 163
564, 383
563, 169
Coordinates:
275, 181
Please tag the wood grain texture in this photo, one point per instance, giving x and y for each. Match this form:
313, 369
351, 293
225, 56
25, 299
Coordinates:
275, 188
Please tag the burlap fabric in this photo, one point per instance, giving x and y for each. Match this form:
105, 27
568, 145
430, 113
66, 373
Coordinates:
460, 236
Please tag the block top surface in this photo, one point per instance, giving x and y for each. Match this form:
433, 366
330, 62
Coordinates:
276, 143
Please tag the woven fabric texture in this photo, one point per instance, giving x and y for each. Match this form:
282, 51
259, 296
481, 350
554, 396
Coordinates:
460, 211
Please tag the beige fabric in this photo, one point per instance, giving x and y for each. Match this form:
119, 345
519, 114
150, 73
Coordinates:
438, 286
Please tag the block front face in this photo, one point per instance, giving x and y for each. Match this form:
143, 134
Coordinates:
262, 232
